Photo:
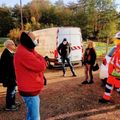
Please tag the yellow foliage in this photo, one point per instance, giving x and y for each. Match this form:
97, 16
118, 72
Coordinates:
33, 20
28, 26
14, 33
116, 41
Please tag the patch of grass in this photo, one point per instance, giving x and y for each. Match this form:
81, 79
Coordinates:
3, 39
1, 45
100, 47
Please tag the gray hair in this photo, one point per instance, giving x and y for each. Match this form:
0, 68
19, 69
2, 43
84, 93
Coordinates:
8, 42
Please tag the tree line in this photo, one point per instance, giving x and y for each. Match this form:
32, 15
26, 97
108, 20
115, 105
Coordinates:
96, 18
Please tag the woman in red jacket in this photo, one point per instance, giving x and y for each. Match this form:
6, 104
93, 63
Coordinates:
29, 69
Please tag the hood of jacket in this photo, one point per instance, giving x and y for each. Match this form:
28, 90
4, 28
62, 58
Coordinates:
26, 41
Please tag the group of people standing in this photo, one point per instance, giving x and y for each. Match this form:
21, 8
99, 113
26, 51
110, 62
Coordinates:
25, 68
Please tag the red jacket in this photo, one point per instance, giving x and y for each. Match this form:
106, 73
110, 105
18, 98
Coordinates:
29, 68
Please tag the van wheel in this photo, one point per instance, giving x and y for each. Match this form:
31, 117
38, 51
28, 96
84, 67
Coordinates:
49, 66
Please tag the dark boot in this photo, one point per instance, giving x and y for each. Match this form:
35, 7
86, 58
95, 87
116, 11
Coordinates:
90, 82
85, 82
74, 75
103, 101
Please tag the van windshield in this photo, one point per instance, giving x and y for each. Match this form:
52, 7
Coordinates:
111, 52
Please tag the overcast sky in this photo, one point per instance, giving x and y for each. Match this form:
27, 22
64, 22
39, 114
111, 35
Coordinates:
13, 2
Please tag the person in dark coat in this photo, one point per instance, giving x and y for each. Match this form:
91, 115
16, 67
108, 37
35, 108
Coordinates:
8, 74
64, 50
89, 59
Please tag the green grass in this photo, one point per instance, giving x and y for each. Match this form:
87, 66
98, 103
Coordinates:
3, 39
100, 48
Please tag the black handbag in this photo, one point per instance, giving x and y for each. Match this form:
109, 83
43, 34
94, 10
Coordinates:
95, 67
45, 80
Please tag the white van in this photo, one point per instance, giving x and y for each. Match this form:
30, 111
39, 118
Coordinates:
49, 40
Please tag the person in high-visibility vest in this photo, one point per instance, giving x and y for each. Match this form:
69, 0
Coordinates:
113, 80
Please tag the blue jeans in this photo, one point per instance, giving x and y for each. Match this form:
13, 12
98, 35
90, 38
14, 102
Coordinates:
10, 96
33, 104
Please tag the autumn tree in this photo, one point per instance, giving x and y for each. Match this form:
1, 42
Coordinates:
6, 21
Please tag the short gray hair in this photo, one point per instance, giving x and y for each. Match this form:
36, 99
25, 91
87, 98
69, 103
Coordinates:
8, 42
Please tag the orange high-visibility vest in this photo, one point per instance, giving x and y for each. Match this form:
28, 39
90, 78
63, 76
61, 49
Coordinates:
114, 68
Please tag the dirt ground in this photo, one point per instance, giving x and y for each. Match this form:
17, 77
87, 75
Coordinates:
64, 98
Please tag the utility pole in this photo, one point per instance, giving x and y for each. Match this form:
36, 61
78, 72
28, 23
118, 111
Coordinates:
21, 14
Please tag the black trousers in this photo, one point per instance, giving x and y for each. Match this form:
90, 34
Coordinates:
69, 64
10, 96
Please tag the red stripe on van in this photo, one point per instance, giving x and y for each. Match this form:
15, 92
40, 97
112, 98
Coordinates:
75, 47
55, 53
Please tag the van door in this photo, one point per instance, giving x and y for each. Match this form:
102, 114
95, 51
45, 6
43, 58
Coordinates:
76, 44
73, 36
